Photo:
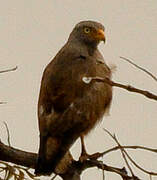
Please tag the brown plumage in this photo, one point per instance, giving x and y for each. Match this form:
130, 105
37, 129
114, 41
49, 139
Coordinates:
68, 107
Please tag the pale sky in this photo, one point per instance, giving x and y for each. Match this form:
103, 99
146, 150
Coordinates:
32, 32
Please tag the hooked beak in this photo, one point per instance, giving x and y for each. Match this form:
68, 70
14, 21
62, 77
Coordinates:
100, 35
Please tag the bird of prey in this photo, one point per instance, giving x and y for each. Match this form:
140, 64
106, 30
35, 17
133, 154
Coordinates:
69, 105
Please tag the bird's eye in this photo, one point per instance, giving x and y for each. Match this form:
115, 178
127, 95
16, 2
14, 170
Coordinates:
87, 30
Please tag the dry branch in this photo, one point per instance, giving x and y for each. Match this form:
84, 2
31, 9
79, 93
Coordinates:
126, 147
139, 67
28, 159
125, 154
8, 70
19, 157
126, 87
2, 102
8, 133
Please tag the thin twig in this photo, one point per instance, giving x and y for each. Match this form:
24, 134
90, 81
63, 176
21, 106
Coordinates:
125, 147
54, 177
139, 67
8, 70
3, 102
128, 156
8, 134
103, 174
95, 163
101, 154
142, 169
126, 87
122, 151
124, 157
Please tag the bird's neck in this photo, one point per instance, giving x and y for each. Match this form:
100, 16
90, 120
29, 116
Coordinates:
84, 48
91, 48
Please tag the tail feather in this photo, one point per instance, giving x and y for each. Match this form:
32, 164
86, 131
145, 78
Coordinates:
40, 167
52, 157
47, 151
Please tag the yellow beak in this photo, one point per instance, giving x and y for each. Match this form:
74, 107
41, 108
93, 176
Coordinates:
100, 35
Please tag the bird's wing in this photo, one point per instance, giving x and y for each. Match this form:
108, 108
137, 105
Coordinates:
68, 106
70, 97
61, 85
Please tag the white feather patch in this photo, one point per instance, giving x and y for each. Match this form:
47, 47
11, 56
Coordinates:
87, 80
41, 110
71, 105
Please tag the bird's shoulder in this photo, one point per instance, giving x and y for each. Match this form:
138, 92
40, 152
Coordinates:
71, 59
102, 69
62, 78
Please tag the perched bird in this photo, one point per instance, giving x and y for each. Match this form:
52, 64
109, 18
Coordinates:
69, 106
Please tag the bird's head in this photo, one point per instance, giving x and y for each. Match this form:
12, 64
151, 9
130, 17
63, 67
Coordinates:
88, 32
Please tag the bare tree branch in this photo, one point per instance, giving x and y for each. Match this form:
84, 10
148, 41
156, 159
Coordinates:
123, 153
139, 67
8, 70
19, 157
142, 169
103, 174
28, 159
16, 172
126, 87
8, 134
2, 102
95, 163
135, 164
54, 177
125, 147
125, 159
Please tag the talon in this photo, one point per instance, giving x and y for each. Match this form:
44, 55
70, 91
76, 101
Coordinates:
83, 157
95, 156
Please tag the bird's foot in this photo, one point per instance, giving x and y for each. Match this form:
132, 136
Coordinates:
95, 156
84, 156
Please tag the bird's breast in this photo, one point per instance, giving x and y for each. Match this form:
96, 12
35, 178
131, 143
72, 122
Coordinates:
65, 83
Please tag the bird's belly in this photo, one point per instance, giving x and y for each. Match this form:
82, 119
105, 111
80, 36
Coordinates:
86, 111
66, 91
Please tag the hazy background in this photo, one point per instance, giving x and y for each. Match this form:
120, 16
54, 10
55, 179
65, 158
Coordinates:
32, 32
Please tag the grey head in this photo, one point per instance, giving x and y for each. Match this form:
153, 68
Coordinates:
88, 32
